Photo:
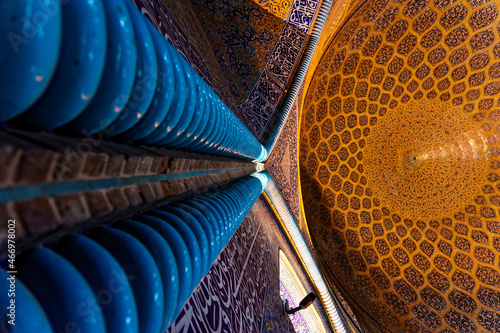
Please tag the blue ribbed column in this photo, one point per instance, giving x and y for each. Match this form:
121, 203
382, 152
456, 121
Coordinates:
130, 84
133, 275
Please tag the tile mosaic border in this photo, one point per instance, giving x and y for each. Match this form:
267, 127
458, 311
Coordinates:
260, 104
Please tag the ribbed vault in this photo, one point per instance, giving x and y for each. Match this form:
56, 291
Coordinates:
399, 159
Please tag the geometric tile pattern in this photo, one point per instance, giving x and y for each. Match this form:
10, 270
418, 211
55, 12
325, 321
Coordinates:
399, 159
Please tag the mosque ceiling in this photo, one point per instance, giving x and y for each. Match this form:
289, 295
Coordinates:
398, 164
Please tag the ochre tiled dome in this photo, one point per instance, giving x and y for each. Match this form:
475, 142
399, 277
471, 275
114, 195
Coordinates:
399, 160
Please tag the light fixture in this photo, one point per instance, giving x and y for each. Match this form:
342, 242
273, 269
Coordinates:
308, 300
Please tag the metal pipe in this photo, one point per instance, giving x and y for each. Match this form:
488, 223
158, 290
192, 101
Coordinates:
294, 232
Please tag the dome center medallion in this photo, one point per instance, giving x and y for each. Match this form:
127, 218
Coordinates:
423, 159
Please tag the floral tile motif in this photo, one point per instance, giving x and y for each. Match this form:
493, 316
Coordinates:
246, 51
